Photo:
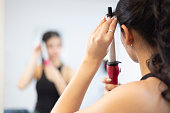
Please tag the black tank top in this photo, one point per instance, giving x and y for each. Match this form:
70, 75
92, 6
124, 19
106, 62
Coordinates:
147, 76
47, 94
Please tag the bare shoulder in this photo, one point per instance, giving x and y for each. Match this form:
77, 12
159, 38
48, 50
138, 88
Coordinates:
130, 98
137, 90
68, 73
67, 68
135, 97
138, 87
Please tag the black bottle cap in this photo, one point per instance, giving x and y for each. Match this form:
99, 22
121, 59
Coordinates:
110, 13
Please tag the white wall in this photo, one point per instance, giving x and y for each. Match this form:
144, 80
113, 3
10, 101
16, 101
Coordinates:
2, 25
75, 19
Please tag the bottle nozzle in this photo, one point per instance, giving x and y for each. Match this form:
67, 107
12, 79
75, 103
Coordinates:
110, 13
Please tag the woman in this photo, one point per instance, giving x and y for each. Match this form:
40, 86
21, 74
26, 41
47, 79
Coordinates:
52, 79
145, 34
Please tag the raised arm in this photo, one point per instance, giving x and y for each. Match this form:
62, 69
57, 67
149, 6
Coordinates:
29, 72
98, 43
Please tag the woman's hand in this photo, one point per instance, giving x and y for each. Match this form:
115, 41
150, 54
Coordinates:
51, 72
100, 39
37, 50
108, 85
30, 72
54, 76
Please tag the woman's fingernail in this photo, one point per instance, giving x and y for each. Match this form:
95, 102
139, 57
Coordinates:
108, 80
103, 18
108, 18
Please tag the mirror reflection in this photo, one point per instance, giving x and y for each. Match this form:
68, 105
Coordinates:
45, 42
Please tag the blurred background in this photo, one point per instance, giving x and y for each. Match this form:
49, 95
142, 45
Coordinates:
27, 20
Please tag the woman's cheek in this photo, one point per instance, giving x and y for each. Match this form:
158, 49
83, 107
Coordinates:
50, 52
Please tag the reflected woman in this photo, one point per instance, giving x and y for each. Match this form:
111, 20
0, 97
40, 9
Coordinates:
52, 79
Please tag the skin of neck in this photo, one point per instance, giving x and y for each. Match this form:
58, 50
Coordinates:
143, 53
142, 60
55, 61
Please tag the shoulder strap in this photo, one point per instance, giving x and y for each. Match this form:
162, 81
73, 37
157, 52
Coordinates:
147, 76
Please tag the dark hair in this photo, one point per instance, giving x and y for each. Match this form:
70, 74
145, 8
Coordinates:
151, 19
47, 35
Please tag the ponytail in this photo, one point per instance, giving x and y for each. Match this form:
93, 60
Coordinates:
159, 64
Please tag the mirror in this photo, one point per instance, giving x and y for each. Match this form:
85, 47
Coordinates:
27, 20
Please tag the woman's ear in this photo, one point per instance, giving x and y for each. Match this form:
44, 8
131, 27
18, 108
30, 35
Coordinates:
127, 35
